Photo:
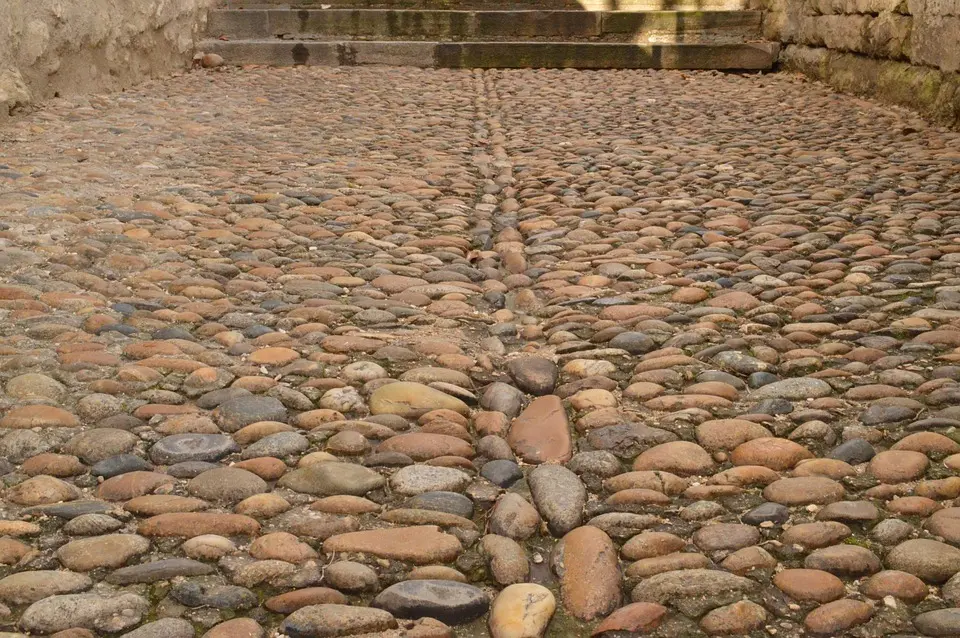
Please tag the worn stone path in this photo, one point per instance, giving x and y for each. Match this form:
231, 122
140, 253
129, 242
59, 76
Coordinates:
393, 352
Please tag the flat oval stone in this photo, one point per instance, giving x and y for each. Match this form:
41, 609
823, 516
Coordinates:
635, 618
191, 524
809, 585
833, 618
120, 464
940, 622
235, 413
678, 457
111, 550
844, 560
226, 485
192, 447
804, 490
930, 560
163, 628
693, 591
449, 502
23, 588
277, 445
417, 479
446, 600
796, 389
330, 479
423, 446
535, 375
86, 611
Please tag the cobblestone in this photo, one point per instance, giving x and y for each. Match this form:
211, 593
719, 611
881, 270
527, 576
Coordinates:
688, 341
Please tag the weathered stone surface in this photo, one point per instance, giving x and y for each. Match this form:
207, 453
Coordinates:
86, 611
24, 588
693, 591
929, 560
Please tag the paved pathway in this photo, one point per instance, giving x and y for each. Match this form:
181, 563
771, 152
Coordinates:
703, 328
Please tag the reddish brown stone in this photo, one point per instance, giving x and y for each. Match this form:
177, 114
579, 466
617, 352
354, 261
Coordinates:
541, 434
188, 525
590, 583
638, 617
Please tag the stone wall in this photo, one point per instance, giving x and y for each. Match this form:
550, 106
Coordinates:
903, 51
59, 47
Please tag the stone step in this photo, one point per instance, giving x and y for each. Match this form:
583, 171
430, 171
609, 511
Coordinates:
429, 24
572, 55
488, 5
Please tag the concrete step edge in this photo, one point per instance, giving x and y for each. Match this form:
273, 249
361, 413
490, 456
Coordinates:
478, 25
583, 55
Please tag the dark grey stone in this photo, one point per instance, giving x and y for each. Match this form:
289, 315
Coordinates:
446, 600
767, 512
194, 594
120, 464
159, 570
501, 472
535, 375
854, 452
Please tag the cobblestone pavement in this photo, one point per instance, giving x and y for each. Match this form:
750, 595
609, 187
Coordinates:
393, 352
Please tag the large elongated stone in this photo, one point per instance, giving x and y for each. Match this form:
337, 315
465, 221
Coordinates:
420, 545
191, 524
159, 570
590, 574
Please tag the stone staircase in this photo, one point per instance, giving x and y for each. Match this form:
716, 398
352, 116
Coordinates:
618, 34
